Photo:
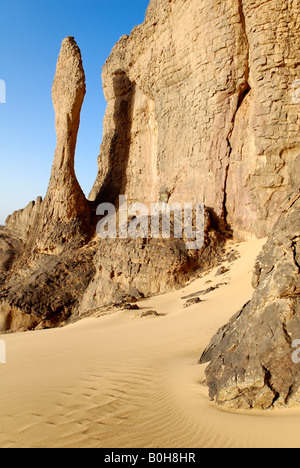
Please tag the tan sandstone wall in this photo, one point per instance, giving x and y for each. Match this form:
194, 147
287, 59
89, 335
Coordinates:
200, 108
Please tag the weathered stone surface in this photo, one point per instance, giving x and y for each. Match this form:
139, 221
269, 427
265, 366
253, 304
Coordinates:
48, 271
63, 270
44, 291
251, 357
65, 214
146, 267
11, 248
22, 221
200, 108
192, 301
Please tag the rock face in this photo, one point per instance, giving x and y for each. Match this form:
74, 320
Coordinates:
56, 269
22, 221
146, 267
47, 270
251, 357
200, 108
65, 214
11, 248
46, 290
63, 217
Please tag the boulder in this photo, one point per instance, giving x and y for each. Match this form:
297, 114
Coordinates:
251, 359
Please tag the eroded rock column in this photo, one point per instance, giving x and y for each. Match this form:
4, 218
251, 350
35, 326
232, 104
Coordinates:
65, 213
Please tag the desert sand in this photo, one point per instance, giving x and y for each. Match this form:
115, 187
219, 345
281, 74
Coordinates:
125, 381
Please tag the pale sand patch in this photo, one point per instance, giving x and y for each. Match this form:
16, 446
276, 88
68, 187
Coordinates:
120, 381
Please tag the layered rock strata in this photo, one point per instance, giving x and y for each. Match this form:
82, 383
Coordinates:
200, 108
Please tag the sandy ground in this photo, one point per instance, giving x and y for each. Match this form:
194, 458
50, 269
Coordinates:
119, 381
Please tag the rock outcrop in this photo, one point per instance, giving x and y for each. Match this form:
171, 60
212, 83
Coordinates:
11, 248
200, 108
65, 214
45, 290
21, 222
50, 269
146, 267
60, 270
251, 363
42, 291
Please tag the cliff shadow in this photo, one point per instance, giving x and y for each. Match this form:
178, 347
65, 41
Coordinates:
219, 224
119, 150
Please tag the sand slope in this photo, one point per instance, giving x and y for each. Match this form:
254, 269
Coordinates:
119, 381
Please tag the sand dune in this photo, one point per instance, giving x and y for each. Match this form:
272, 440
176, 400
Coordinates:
120, 381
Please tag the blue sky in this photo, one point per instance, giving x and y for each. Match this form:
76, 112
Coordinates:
31, 33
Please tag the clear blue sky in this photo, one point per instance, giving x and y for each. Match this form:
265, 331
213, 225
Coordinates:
31, 33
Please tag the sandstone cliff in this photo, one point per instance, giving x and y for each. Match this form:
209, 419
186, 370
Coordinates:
200, 99
200, 108
251, 357
53, 266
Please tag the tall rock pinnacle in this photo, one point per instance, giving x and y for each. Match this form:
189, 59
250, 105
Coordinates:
65, 214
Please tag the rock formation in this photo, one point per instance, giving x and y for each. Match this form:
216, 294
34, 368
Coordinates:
251, 357
57, 269
22, 221
200, 108
65, 213
39, 288
10, 250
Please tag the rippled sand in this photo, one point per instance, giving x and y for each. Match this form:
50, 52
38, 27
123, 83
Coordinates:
124, 381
